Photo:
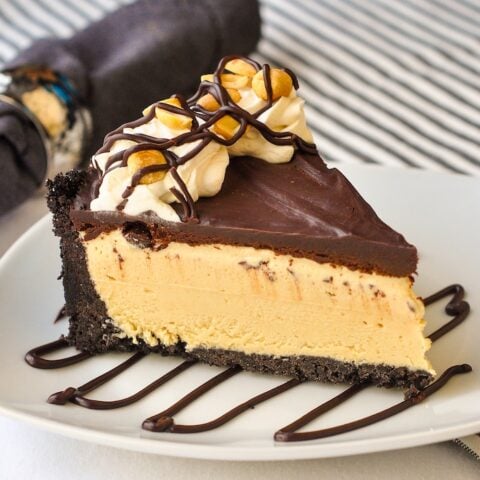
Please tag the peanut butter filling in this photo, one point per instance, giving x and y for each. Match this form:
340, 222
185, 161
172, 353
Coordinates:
255, 301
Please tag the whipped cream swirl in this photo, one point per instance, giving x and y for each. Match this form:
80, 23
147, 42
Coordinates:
203, 173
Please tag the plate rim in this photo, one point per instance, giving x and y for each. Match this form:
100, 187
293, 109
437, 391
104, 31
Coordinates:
281, 452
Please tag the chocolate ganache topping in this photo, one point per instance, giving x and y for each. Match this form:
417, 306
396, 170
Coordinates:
237, 167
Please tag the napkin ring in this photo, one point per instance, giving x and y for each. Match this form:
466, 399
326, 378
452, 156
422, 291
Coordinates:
51, 103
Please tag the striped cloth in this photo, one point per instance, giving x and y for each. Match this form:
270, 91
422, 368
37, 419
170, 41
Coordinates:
389, 83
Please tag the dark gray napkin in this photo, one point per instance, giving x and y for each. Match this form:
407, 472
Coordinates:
22, 158
139, 54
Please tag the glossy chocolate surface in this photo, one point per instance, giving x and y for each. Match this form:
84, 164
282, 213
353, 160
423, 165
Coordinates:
301, 208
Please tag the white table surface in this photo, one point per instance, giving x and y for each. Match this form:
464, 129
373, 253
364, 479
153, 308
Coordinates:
29, 453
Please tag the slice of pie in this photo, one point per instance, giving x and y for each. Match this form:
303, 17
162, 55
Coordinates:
211, 228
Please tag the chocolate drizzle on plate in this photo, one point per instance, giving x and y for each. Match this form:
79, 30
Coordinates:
202, 133
34, 357
61, 315
164, 421
77, 395
289, 434
456, 307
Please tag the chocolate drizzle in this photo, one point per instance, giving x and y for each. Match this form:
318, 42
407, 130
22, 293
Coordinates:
77, 395
289, 434
62, 314
164, 422
456, 306
198, 133
189, 213
35, 359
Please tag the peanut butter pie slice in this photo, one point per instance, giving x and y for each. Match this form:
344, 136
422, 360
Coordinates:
211, 228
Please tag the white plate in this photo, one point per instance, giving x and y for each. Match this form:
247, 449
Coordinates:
438, 213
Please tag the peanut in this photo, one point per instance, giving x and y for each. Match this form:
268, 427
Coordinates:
240, 67
144, 158
209, 102
173, 120
226, 126
281, 84
229, 80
